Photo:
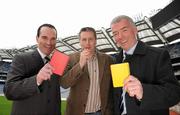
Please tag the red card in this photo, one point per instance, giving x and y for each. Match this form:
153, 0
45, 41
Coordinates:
59, 61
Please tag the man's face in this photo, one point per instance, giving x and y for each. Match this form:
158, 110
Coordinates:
47, 40
124, 34
88, 41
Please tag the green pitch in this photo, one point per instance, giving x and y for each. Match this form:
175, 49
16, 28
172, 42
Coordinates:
5, 106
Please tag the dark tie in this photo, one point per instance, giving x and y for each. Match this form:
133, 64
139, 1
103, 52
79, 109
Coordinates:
126, 57
46, 59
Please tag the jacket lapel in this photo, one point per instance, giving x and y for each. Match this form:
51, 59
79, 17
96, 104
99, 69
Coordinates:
140, 48
119, 56
37, 59
101, 65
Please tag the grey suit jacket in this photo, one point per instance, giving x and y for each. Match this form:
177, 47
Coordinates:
21, 87
161, 90
78, 81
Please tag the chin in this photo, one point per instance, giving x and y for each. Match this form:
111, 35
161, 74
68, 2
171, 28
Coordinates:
48, 52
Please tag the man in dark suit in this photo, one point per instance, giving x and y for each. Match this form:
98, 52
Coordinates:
89, 78
30, 83
152, 87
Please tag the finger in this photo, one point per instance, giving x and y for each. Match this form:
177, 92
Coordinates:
132, 78
126, 80
131, 86
128, 83
135, 91
84, 55
48, 77
48, 65
50, 73
131, 93
129, 78
48, 69
128, 88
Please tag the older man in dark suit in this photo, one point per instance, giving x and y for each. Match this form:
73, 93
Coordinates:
30, 83
152, 87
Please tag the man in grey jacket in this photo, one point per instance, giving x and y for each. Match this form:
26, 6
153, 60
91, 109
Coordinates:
30, 83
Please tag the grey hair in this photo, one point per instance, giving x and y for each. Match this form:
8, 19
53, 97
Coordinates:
120, 17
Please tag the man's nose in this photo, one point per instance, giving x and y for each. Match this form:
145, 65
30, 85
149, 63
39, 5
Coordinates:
48, 41
87, 41
119, 37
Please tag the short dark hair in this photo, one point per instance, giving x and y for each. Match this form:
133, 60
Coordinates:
46, 25
88, 29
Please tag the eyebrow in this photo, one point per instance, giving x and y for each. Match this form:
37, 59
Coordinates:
120, 29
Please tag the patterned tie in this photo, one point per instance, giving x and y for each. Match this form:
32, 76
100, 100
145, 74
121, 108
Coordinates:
122, 105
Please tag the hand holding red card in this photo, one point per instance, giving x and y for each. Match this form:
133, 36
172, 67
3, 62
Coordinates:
59, 62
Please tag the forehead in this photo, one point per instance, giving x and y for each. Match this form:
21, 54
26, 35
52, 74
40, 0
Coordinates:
87, 34
47, 30
120, 24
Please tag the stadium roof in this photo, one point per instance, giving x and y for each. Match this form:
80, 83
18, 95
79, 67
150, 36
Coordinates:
162, 29
167, 34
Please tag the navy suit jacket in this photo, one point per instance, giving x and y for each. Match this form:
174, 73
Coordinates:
161, 90
21, 87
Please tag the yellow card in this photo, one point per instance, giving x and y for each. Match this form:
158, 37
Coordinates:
119, 73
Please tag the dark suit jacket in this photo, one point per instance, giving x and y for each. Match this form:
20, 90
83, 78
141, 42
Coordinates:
21, 87
161, 90
78, 81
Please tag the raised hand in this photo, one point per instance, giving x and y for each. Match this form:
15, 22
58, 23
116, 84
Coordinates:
134, 87
44, 74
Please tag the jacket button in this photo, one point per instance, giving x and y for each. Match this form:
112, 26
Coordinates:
48, 100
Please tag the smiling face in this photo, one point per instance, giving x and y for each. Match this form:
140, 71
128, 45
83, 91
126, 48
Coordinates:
88, 41
46, 40
124, 34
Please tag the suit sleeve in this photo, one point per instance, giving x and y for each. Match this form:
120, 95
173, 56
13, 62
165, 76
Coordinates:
19, 85
72, 73
165, 91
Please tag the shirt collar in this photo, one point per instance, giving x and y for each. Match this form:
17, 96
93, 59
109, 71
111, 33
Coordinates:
94, 56
131, 50
41, 54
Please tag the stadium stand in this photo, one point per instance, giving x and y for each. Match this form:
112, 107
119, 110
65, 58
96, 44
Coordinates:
166, 35
4, 67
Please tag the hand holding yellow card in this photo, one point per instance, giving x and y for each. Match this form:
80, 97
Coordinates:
119, 73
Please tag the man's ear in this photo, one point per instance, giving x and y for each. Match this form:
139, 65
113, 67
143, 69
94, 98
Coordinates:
135, 30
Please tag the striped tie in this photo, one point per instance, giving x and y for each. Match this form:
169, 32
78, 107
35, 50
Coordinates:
123, 103
122, 98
